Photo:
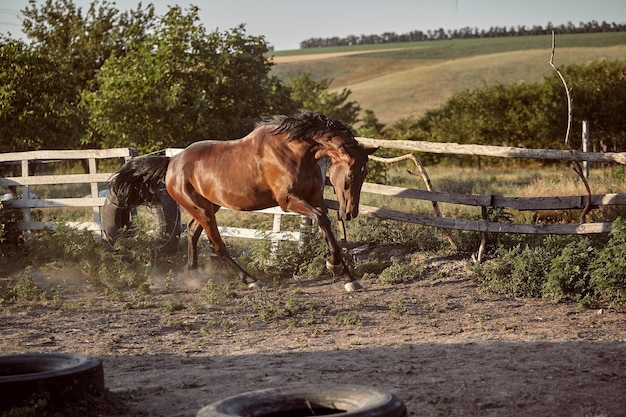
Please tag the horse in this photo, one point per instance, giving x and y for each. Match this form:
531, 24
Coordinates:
274, 165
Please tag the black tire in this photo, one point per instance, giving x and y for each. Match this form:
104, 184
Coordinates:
344, 400
61, 378
115, 217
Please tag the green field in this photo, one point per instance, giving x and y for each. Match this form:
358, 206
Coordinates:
406, 79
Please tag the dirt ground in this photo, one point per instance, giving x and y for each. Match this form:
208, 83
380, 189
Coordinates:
446, 347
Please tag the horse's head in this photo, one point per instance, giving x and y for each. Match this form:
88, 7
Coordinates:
347, 172
335, 140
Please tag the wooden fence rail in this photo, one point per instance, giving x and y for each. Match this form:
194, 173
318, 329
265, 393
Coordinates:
497, 151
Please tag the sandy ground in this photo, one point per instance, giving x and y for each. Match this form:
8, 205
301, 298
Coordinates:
446, 347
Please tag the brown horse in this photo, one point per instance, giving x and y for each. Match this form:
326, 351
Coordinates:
274, 165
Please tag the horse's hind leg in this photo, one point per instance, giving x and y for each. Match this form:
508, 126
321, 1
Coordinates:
194, 230
218, 246
204, 218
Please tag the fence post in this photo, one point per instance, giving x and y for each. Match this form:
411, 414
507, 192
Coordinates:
585, 140
25, 196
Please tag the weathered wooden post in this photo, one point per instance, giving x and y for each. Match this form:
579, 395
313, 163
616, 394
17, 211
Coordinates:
586, 144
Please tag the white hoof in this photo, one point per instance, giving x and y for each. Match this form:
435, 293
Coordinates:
352, 286
255, 285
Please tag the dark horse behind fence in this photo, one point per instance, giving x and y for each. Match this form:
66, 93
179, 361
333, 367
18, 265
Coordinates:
274, 165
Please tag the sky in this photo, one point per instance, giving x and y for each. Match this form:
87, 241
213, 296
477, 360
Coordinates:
286, 23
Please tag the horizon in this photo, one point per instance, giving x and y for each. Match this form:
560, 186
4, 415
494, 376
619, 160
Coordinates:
282, 25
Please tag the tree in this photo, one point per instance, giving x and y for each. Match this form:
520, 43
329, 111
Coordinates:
182, 84
313, 95
82, 43
42, 80
37, 101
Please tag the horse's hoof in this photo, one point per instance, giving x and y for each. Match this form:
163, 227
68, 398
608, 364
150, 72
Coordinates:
255, 285
335, 269
352, 286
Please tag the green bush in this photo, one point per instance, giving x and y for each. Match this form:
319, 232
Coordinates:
520, 271
384, 232
400, 271
127, 265
569, 276
587, 270
608, 270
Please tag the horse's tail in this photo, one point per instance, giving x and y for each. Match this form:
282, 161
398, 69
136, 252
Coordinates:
139, 180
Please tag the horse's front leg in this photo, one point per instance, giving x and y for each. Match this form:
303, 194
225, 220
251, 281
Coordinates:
334, 262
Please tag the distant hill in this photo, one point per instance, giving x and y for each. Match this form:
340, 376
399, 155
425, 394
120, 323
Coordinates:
406, 79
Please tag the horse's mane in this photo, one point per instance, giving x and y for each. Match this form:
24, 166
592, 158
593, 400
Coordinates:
307, 126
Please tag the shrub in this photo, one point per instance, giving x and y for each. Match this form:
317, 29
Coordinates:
608, 273
400, 271
520, 271
569, 276
383, 232
126, 265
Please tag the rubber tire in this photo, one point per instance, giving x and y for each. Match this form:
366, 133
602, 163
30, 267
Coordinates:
65, 377
114, 218
346, 400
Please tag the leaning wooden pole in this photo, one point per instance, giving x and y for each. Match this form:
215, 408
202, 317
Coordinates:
577, 165
425, 178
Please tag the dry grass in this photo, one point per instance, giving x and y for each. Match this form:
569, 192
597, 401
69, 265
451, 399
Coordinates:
396, 87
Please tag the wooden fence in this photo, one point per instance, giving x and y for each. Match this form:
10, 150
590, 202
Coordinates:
97, 182
27, 161
95, 178
494, 201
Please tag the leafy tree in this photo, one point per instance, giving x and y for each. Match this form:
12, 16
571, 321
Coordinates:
598, 91
182, 84
313, 95
370, 125
42, 80
81, 43
37, 101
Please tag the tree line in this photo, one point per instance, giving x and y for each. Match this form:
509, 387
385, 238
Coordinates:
465, 33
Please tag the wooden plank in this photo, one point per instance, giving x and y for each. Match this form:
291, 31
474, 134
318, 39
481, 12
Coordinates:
56, 179
480, 225
67, 154
498, 151
441, 197
55, 202
271, 210
517, 203
95, 227
246, 233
